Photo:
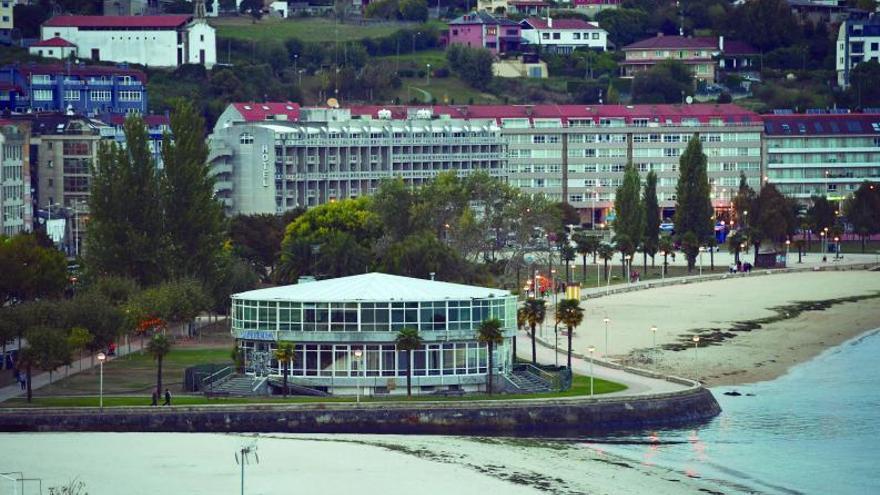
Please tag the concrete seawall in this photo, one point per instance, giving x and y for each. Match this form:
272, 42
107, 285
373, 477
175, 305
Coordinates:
539, 416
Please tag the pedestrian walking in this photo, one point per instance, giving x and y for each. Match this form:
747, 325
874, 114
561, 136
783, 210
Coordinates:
155, 401
167, 398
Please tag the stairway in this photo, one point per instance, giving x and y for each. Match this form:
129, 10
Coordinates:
240, 385
527, 382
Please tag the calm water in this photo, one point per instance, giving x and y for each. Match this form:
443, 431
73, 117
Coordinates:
814, 430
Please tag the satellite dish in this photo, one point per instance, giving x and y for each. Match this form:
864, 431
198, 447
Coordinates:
333, 103
689, 99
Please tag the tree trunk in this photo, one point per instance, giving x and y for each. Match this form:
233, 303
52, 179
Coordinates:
534, 349
585, 268
30, 391
606, 269
159, 378
3, 357
594, 257
652, 261
284, 378
645, 262
711, 258
409, 373
863, 243
570, 331
513, 344
491, 362
757, 246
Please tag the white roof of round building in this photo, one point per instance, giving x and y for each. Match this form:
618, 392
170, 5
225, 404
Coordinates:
372, 287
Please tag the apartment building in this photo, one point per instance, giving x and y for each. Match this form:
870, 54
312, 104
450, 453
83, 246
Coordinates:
562, 35
858, 40
268, 158
84, 89
16, 214
483, 30
822, 154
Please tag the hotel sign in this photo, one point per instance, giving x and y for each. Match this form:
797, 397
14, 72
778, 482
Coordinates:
265, 158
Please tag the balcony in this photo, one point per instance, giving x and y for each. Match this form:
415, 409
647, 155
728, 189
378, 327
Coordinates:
223, 185
222, 168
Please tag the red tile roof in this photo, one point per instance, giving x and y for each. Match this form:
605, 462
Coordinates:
702, 112
254, 112
674, 43
135, 21
737, 47
82, 70
55, 42
540, 23
822, 124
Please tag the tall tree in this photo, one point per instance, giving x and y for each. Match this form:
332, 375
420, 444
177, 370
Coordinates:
651, 207
820, 214
774, 218
29, 271
586, 244
629, 224
863, 211
693, 208
606, 252
742, 202
159, 347
408, 340
490, 333
570, 313
534, 310
126, 234
193, 218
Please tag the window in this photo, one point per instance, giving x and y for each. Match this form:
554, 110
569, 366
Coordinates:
42, 95
77, 148
595, 36
576, 36
246, 138
555, 36
41, 79
71, 95
545, 36
129, 96
100, 95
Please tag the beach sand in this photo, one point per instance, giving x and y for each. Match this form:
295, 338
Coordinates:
726, 355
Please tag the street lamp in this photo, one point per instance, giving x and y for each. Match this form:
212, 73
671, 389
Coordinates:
591, 350
701, 259
696, 340
357, 357
606, 320
787, 247
626, 262
836, 247
663, 266
101, 358
654, 338
428, 74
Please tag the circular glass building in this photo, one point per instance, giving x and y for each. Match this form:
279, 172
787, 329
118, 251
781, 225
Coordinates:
344, 332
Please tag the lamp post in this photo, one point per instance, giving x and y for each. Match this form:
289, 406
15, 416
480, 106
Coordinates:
606, 320
701, 259
357, 357
663, 266
836, 247
696, 340
626, 262
101, 358
591, 350
428, 75
787, 248
654, 338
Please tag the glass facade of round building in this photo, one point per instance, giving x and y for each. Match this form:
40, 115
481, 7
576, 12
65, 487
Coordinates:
344, 331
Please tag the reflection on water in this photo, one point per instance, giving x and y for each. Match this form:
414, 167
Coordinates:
811, 431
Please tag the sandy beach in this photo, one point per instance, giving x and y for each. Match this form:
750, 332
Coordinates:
731, 352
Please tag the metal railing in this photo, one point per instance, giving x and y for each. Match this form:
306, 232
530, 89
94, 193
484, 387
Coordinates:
207, 382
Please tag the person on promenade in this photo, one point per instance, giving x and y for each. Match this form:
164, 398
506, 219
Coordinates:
155, 401
167, 398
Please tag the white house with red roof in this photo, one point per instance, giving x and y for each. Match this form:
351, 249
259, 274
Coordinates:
562, 35
151, 40
56, 47
701, 54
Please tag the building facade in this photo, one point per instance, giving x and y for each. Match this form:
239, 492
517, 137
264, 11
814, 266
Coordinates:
562, 35
53, 48
345, 331
82, 89
483, 30
695, 53
16, 213
155, 41
6, 20
858, 40
268, 162
822, 155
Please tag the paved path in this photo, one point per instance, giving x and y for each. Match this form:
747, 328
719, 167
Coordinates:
636, 384
79, 365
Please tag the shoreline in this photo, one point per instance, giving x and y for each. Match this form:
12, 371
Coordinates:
747, 337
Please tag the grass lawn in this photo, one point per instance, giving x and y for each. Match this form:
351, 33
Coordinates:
437, 59
580, 387
446, 90
136, 373
308, 29
653, 273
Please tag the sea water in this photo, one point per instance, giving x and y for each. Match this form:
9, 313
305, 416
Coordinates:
813, 430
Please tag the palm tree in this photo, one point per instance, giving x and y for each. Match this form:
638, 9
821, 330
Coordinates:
586, 244
666, 247
570, 313
489, 333
408, 340
568, 254
285, 353
159, 347
606, 252
535, 310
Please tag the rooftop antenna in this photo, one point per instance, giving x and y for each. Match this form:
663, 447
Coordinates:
243, 457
